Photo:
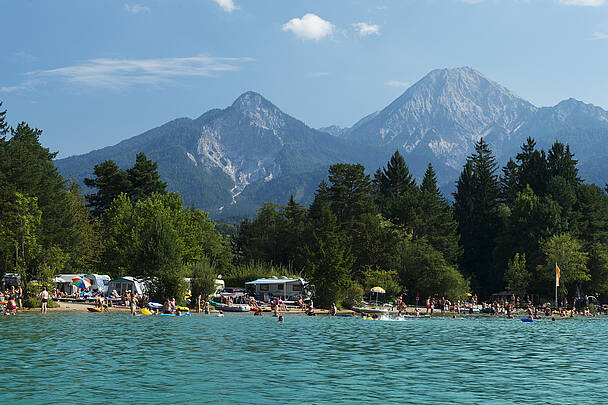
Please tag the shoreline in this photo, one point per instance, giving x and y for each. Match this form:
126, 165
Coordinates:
83, 307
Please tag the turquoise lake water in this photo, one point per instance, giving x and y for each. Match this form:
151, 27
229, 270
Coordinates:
241, 359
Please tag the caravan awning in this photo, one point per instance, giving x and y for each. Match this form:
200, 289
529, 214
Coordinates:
67, 278
275, 281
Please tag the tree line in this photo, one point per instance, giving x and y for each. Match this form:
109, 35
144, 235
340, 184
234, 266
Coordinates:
130, 225
505, 230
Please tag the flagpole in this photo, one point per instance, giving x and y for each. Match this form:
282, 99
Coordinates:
556, 282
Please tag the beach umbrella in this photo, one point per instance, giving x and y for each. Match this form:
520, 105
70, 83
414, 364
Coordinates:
81, 282
377, 290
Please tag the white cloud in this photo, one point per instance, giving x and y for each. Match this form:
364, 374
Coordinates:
136, 9
599, 36
120, 73
9, 89
26, 85
396, 83
227, 5
584, 3
309, 27
366, 29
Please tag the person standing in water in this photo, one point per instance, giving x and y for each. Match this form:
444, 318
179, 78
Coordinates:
20, 297
133, 303
44, 298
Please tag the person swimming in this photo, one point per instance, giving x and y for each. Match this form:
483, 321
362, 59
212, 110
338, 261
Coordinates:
281, 318
11, 307
220, 314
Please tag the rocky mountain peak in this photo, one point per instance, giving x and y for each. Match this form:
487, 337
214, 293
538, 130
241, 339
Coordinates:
459, 90
251, 101
259, 111
445, 112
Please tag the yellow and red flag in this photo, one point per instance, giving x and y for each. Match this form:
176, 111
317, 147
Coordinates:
557, 275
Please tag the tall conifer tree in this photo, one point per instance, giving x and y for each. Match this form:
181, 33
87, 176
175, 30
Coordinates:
435, 221
475, 207
110, 181
532, 169
144, 178
396, 192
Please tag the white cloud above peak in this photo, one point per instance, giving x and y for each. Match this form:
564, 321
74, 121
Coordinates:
227, 5
136, 9
583, 3
309, 27
366, 29
397, 83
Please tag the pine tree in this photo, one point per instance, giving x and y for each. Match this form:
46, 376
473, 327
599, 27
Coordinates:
110, 181
508, 186
84, 246
475, 209
532, 169
395, 180
396, 192
350, 193
352, 202
320, 201
259, 239
435, 221
293, 234
4, 128
29, 169
144, 178
464, 212
561, 162
329, 260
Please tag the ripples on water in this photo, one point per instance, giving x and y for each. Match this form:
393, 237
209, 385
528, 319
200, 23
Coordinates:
80, 357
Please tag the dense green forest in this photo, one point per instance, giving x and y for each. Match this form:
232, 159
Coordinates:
505, 230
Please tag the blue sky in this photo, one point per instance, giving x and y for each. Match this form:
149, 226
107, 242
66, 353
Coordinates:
92, 73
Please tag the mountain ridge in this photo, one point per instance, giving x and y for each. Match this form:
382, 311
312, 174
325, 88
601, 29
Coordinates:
211, 160
229, 160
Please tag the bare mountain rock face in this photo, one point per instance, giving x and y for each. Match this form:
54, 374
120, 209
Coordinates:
445, 113
228, 161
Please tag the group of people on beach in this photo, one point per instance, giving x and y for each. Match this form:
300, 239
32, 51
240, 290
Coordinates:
11, 299
458, 306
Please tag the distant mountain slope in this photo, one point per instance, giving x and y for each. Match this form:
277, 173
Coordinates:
441, 116
444, 114
230, 161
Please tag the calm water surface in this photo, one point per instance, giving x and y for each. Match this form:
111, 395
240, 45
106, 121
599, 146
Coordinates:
86, 357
